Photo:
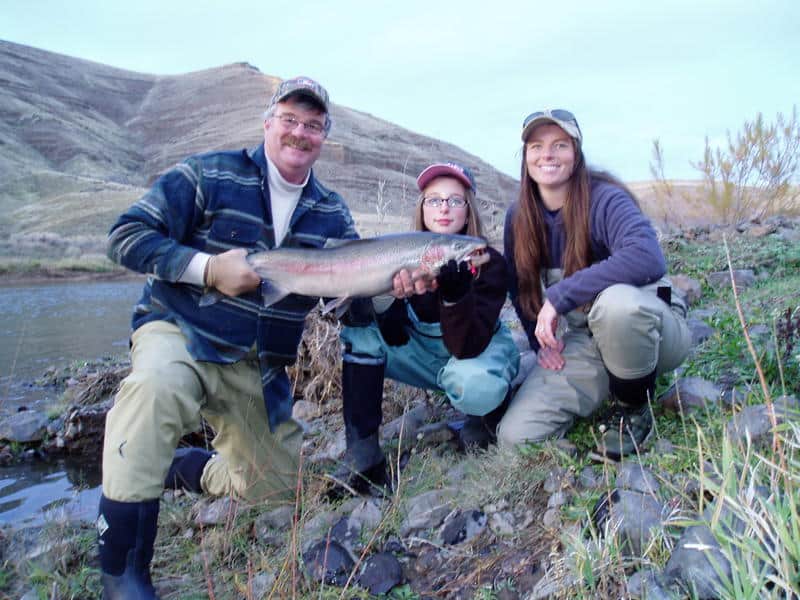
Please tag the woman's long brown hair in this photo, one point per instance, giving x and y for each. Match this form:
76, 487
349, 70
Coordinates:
530, 236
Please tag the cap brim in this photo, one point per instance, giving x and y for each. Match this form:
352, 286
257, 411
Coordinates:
435, 171
569, 128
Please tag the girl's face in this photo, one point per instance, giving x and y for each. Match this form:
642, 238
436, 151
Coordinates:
449, 216
550, 156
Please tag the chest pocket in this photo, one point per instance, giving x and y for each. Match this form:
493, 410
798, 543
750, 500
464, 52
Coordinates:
229, 231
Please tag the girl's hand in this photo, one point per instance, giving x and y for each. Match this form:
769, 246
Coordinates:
551, 358
546, 324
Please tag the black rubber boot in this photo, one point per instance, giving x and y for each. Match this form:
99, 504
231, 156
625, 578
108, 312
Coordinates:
187, 469
627, 424
478, 432
126, 534
363, 467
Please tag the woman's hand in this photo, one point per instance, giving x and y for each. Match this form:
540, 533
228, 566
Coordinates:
546, 324
407, 284
551, 358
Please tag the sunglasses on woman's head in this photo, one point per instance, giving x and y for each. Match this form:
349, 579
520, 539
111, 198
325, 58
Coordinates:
558, 113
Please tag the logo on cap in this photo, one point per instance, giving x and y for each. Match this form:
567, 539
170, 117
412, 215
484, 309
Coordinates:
300, 85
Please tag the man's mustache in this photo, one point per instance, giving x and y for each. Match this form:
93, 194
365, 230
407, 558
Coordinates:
296, 142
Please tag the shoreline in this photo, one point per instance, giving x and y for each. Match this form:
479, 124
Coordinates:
43, 276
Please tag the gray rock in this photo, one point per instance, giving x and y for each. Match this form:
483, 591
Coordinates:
329, 562
24, 427
789, 235
697, 561
558, 479
278, 519
462, 527
318, 526
759, 231
305, 410
700, 330
434, 434
633, 476
663, 446
409, 423
220, 510
427, 510
589, 480
689, 288
557, 499
635, 517
722, 279
755, 421
691, 393
502, 523
367, 516
40, 546
347, 533
381, 572
456, 474
261, 585
646, 585
551, 518
332, 451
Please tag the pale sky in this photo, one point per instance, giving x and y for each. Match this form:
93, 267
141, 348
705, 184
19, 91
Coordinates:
469, 72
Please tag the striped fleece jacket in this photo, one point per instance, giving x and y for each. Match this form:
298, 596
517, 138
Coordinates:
212, 203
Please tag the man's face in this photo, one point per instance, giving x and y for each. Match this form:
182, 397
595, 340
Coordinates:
293, 138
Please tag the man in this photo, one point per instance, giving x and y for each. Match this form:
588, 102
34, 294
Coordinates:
227, 361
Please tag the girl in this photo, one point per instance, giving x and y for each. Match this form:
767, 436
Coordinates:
448, 339
586, 276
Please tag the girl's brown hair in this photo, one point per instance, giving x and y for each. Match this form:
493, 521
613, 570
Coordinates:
530, 237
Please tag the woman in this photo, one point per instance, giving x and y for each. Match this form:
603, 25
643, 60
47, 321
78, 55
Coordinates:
448, 339
586, 276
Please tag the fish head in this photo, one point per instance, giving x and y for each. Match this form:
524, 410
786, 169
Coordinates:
461, 248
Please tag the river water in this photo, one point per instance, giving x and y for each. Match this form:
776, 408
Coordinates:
54, 325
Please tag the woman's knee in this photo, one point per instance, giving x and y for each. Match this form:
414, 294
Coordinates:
614, 306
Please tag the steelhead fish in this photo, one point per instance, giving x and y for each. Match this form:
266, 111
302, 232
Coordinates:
346, 269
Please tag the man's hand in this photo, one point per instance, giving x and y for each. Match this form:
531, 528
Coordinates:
407, 284
230, 273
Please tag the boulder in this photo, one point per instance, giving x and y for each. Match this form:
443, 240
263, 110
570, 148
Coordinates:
24, 427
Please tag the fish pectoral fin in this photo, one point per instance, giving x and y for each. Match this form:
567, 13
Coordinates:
336, 242
210, 296
270, 293
339, 305
382, 302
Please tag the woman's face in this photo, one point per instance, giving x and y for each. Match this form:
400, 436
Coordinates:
445, 218
550, 156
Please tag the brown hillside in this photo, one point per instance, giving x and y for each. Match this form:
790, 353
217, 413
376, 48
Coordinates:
79, 141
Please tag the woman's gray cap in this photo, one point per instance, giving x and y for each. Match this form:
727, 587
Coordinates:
563, 118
